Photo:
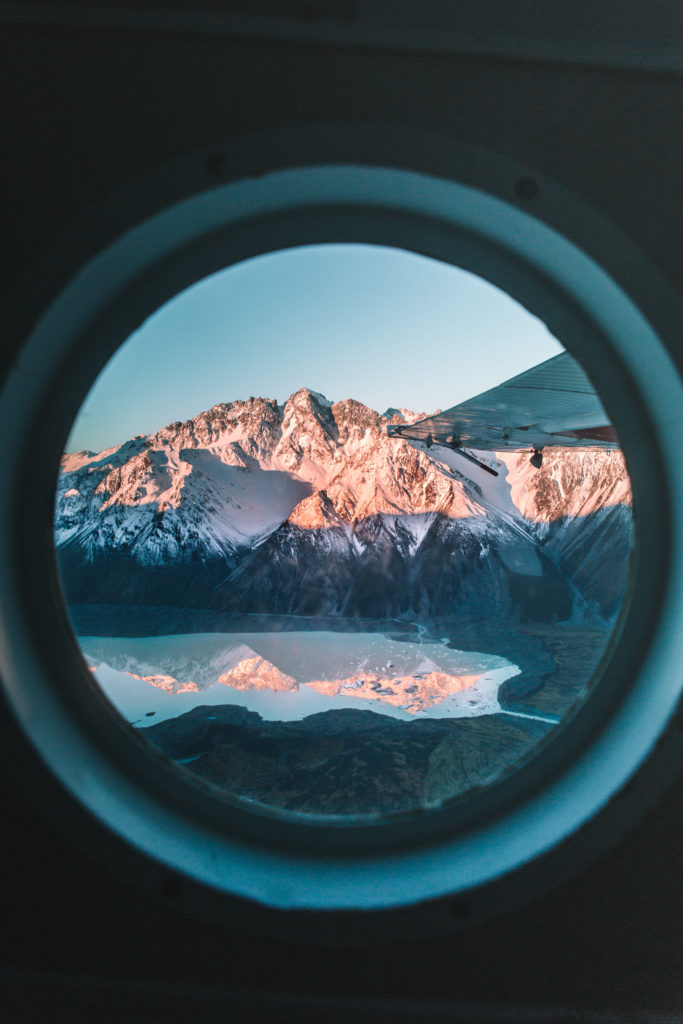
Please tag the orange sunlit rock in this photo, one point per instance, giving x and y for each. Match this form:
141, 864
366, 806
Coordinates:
257, 674
413, 693
168, 683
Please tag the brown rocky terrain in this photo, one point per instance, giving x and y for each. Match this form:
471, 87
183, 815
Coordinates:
344, 762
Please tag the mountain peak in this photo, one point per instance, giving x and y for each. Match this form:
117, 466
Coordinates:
403, 415
310, 395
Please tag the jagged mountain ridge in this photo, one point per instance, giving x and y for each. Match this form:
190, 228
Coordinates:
226, 478
310, 508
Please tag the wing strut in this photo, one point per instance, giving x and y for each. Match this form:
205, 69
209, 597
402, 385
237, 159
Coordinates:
471, 458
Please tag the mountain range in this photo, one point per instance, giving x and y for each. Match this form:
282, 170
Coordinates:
309, 508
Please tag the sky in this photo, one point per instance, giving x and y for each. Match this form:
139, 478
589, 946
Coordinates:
384, 326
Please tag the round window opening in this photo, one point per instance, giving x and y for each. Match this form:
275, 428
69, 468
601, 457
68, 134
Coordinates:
344, 533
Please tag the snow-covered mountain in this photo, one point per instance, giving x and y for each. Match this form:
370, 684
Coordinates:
309, 508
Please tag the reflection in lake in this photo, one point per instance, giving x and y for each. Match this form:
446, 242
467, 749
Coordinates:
286, 676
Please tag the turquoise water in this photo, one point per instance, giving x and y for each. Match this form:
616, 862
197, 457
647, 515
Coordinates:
276, 674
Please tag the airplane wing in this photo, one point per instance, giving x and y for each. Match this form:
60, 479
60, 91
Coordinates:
552, 404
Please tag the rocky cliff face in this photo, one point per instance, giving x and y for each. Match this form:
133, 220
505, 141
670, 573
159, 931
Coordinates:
309, 508
578, 505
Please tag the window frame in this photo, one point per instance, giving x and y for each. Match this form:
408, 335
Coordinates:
178, 226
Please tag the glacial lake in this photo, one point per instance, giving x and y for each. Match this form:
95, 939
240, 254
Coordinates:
286, 676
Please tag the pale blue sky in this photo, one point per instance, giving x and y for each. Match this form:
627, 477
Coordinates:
380, 325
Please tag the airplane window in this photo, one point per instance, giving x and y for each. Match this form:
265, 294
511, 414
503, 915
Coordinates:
344, 532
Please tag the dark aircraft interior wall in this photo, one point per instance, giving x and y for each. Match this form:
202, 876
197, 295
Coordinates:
87, 109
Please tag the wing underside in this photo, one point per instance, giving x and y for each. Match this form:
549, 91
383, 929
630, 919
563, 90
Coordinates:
552, 404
